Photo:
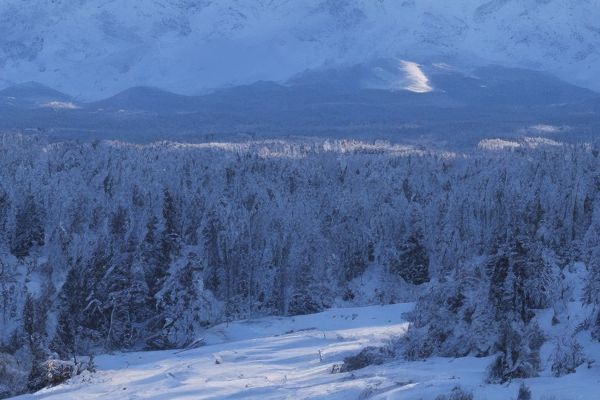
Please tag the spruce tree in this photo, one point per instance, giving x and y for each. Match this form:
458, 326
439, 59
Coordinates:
29, 227
413, 263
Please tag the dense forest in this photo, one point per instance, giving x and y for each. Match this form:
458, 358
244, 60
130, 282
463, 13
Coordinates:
113, 246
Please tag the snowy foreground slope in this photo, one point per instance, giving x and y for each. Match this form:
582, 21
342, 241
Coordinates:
278, 358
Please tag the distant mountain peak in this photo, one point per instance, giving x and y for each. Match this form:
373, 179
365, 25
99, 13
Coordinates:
34, 95
94, 49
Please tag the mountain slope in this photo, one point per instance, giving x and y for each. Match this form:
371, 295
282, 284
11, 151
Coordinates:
374, 100
94, 49
33, 95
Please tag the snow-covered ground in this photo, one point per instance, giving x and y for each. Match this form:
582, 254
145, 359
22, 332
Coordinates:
292, 358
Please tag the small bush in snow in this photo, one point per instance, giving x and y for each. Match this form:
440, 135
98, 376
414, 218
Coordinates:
520, 353
368, 356
567, 356
51, 373
54, 372
302, 304
418, 344
524, 392
458, 393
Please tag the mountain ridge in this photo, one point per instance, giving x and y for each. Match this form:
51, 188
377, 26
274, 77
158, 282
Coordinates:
368, 101
94, 50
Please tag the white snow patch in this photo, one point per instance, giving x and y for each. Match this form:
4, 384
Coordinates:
542, 128
268, 358
545, 129
416, 80
60, 105
444, 66
525, 142
497, 144
534, 142
292, 358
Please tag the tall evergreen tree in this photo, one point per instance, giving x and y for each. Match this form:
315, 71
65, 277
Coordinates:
413, 262
29, 227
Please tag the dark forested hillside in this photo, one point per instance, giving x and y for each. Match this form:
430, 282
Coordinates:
112, 246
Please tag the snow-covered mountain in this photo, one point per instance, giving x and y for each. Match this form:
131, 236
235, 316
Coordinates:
93, 49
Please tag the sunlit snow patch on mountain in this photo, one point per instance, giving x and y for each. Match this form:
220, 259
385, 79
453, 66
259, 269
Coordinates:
401, 75
526, 142
544, 129
415, 80
498, 144
60, 105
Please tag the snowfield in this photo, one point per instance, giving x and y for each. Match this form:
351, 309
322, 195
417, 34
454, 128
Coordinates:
280, 358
